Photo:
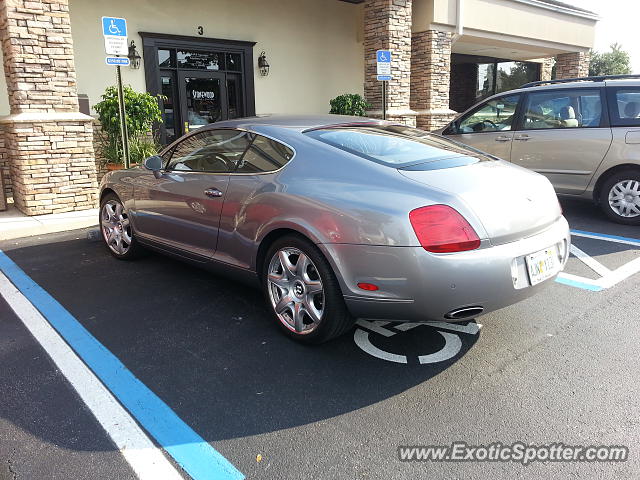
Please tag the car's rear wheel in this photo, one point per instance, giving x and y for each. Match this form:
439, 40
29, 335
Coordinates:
620, 197
116, 229
303, 292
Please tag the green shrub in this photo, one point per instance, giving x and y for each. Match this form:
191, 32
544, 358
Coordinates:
142, 111
349, 104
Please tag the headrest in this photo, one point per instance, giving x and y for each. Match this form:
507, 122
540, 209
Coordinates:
567, 113
536, 111
631, 109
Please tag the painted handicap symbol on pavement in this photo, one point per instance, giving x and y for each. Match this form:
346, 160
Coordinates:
452, 345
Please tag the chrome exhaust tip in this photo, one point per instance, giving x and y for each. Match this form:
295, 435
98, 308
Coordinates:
464, 313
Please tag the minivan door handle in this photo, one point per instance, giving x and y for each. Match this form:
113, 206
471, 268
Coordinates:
503, 138
213, 192
522, 138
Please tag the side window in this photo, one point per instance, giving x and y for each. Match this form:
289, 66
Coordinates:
625, 107
211, 151
563, 109
264, 155
495, 115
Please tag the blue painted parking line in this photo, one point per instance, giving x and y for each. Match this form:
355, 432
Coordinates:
605, 236
199, 459
578, 284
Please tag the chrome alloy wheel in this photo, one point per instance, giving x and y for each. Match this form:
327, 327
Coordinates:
115, 227
624, 198
295, 290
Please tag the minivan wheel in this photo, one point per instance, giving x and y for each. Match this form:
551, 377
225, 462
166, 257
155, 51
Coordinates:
620, 197
302, 291
116, 229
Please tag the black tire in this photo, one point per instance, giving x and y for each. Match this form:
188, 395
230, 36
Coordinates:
335, 319
629, 174
134, 249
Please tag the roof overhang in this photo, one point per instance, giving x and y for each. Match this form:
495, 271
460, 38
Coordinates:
561, 8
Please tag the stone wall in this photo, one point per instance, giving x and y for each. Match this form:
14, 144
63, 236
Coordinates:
546, 68
4, 165
52, 165
430, 74
49, 144
387, 26
572, 65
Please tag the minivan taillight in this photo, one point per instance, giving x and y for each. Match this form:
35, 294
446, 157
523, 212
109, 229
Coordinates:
441, 229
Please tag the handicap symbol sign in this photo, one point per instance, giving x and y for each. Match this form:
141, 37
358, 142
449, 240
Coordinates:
383, 56
114, 27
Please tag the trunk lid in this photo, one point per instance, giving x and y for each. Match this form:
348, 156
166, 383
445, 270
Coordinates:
510, 202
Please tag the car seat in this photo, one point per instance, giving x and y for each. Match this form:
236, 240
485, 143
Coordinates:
631, 110
535, 118
568, 117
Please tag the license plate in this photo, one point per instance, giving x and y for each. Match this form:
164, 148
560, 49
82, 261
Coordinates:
542, 265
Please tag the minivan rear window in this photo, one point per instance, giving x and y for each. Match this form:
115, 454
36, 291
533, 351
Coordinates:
396, 146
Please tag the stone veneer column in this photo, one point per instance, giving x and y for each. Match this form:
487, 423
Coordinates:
572, 65
546, 68
430, 78
387, 26
48, 142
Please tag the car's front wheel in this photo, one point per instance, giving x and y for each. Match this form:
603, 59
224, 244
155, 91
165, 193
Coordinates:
116, 229
620, 197
303, 292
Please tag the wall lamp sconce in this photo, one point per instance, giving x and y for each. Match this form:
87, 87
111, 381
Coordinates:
263, 65
133, 56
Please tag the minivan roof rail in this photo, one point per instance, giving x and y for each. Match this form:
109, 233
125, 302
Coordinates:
595, 78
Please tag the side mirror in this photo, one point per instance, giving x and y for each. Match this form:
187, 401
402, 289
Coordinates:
154, 164
452, 128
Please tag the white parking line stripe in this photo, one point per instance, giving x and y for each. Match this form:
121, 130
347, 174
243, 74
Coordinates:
146, 460
590, 262
621, 273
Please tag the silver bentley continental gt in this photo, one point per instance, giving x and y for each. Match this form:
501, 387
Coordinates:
339, 218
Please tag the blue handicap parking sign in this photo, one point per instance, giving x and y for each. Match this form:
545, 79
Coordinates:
114, 27
383, 56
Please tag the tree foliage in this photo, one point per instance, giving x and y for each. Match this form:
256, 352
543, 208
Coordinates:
615, 62
349, 104
142, 111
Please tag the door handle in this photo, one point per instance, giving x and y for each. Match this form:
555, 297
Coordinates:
213, 192
502, 138
522, 138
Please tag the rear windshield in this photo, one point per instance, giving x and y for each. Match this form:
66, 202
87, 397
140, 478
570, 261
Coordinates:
394, 145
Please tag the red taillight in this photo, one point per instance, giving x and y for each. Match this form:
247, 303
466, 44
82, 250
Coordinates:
368, 286
441, 229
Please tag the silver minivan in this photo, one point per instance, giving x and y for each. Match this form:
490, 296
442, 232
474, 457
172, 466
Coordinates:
582, 134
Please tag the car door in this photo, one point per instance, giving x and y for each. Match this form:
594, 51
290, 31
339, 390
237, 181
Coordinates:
182, 208
249, 202
488, 127
564, 134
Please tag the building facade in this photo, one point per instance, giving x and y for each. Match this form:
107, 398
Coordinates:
202, 59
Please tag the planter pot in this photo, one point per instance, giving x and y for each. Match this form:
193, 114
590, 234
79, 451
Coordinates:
119, 166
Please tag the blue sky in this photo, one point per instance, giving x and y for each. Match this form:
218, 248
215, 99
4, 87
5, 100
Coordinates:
620, 22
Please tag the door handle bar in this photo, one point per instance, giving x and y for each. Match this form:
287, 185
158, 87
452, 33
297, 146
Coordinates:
213, 192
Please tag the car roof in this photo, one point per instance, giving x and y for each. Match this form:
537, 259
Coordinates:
294, 122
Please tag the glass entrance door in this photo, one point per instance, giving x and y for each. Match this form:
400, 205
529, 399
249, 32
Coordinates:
204, 98
200, 84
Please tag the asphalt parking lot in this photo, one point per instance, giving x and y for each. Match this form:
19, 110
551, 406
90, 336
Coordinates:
559, 367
